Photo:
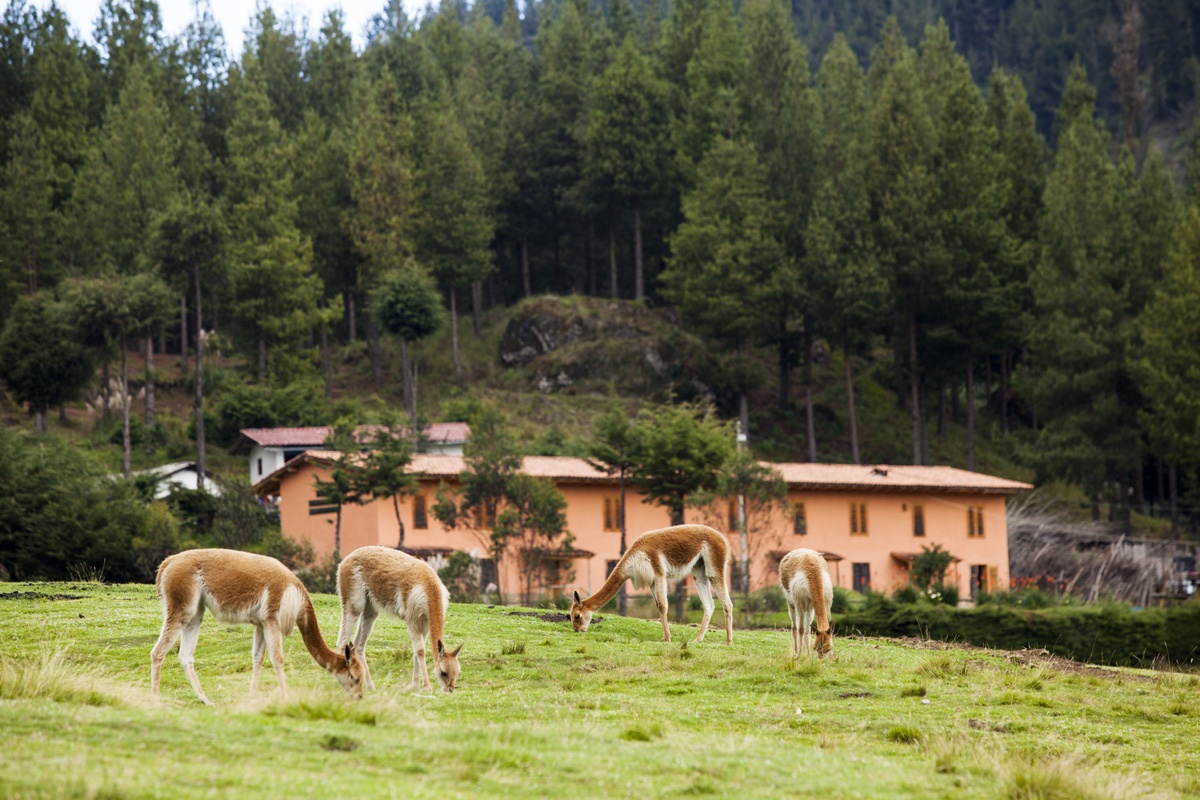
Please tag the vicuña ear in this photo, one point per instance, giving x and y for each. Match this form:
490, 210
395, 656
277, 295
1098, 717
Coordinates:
441, 649
348, 651
577, 600
458, 650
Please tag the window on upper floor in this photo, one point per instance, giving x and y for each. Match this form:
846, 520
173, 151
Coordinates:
799, 519
858, 519
612, 513
975, 522
420, 516
918, 520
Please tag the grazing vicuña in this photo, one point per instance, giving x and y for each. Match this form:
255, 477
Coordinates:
804, 576
662, 556
242, 587
374, 579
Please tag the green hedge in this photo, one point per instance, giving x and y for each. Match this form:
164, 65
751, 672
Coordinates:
1100, 634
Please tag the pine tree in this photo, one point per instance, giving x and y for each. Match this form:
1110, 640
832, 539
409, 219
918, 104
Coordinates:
627, 140
41, 362
1089, 285
27, 220
839, 250
276, 291
60, 99
453, 227
903, 192
727, 257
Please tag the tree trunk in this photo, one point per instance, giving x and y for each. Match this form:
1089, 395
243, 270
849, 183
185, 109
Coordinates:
337, 534
183, 331
612, 260
810, 417
413, 367
399, 520
126, 440
639, 266
785, 372
850, 408
477, 308
589, 263
39, 418
971, 410
681, 586
1173, 477
62, 414
262, 355
106, 389
1004, 391
924, 424
406, 391
458, 379
326, 369
149, 382
351, 319
622, 598
744, 411
1139, 488
376, 356
987, 382
199, 402
526, 278
913, 385
941, 417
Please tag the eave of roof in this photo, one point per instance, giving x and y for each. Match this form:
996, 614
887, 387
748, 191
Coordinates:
811, 477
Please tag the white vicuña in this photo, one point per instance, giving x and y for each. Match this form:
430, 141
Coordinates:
242, 587
375, 579
804, 576
657, 558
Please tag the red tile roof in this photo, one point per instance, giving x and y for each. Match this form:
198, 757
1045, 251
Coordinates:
567, 469
439, 432
883, 478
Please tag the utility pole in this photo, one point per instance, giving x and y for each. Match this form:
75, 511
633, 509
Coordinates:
743, 555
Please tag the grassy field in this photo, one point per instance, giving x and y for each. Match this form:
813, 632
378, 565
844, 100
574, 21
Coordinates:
544, 712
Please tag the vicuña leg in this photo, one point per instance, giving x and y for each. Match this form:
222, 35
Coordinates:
259, 649
660, 600
166, 640
274, 639
420, 679
805, 630
704, 590
188, 639
366, 624
726, 606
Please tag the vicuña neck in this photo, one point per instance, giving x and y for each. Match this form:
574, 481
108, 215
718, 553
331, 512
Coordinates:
314, 642
818, 598
608, 590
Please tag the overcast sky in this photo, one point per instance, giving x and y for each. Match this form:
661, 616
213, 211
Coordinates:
234, 15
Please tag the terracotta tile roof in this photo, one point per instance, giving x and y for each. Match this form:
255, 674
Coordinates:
439, 432
883, 478
567, 469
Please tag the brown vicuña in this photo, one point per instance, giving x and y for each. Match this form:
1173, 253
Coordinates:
667, 555
374, 579
804, 576
242, 587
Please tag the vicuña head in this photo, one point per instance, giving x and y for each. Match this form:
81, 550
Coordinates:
581, 617
351, 672
446, 666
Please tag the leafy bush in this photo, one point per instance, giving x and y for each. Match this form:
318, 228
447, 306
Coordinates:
59, 512
906, 594
301, 403
841, 599
1106, 633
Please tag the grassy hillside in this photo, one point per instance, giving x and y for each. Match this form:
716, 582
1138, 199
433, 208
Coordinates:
544, 712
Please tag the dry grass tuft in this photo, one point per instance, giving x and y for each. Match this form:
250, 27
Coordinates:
49, 675
1069, 778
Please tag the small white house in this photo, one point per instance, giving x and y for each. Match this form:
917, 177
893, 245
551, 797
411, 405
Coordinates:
179, 475
271, 448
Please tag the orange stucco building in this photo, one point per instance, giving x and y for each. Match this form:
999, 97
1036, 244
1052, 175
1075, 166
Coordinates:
868, 520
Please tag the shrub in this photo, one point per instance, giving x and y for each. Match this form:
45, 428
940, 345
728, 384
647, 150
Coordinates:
906, 594
841, 600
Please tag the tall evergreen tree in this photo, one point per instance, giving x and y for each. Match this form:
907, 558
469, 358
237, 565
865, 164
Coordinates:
27, 220
276, 290
727, 257
627, 148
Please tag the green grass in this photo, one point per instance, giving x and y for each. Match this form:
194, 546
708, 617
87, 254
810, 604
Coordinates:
544, 712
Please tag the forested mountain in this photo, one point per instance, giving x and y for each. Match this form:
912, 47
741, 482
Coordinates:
987, 198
